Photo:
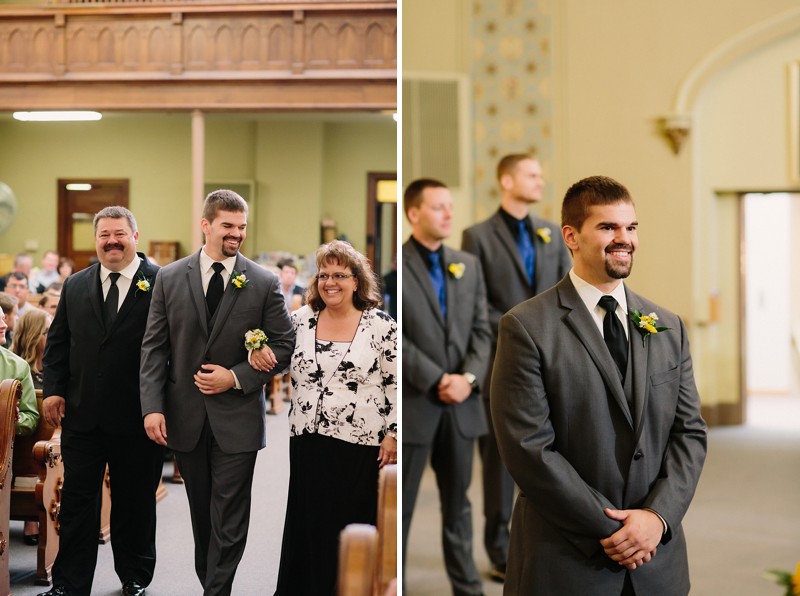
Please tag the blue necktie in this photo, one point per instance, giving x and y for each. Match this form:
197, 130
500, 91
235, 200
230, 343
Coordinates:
526, 250
437, 277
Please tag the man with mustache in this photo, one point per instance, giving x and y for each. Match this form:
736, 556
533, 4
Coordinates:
597, 417
91, 388
200, 396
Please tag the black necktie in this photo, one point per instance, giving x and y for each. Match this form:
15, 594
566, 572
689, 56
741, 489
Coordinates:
614, 334
437, 278
112, 301
215, 288
526, 249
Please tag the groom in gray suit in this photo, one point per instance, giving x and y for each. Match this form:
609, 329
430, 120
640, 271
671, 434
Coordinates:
522, 255
199, 394
446, 340
597, 417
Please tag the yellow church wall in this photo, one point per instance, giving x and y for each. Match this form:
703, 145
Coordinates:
617, 70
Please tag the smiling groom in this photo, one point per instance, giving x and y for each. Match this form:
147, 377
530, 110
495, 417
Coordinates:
597, 419
199, 394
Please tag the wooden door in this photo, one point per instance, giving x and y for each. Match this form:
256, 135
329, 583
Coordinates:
76, 210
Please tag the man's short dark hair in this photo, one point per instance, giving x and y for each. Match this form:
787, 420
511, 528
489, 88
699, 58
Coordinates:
223, 200
587, 193
412, 197
287, 263
18, 275
508, 162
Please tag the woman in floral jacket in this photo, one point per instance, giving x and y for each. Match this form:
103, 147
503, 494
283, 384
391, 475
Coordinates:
343, 416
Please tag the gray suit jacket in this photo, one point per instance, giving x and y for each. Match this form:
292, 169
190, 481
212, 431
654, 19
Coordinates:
432, 347
177, 342
506, 280
574, 447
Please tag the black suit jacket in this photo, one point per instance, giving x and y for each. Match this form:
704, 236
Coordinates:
96, 369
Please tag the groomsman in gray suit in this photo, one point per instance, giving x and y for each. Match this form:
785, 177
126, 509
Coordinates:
446, 343
597, 417
199, 394
522, 255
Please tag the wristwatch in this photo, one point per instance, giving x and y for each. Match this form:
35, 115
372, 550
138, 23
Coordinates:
471, 379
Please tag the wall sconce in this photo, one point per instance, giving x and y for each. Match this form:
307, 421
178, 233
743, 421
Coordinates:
676, 128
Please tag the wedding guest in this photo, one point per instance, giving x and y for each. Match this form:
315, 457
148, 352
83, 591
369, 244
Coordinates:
14, 367
343, 417
293, 294
47, 273
17, 285
22, 264
597, 417
29, 342
49, 302
66, 267
9, 305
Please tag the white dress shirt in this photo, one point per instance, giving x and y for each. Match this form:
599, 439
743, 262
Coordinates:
591, 298
124, 280
206, 271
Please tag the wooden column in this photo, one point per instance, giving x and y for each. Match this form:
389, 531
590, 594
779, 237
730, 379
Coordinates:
198, 175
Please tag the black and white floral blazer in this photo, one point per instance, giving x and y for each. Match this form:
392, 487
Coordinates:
359, 403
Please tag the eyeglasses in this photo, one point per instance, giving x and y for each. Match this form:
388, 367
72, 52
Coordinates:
335, 276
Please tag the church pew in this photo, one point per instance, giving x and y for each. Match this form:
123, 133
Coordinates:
387, 528
10, 392
36, 491
358, 545
368, 555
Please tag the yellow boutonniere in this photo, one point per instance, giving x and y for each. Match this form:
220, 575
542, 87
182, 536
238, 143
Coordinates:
456, 270
786, 579
544, 235
239, 280
646, 325
142, 284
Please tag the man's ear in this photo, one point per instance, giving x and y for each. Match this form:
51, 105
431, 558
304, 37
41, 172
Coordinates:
570, 237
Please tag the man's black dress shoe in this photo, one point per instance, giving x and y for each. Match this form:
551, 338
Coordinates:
132, 588
56, 591
30, 539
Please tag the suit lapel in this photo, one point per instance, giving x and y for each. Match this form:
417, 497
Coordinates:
580, 321
451, 284
130, 297
543, 259
228, 299
194, 281
507, 240
414, 263
95, 292
640, 356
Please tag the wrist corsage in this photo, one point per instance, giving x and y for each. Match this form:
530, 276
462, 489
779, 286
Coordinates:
255, 339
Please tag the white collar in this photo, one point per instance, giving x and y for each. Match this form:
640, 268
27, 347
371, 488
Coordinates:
590, 295
206, 262
128, 272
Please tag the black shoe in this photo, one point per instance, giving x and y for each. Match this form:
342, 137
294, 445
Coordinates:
498, 573
271, 412
30, 539
132, 588
56, 591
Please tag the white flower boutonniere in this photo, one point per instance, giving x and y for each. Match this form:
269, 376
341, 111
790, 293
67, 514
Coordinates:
647, 325
239, 280
456, 270
142, 284
544, 235
255, 339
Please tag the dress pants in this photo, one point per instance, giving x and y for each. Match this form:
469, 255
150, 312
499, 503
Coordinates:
218, 486
135, 464
451, 457
498, 495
